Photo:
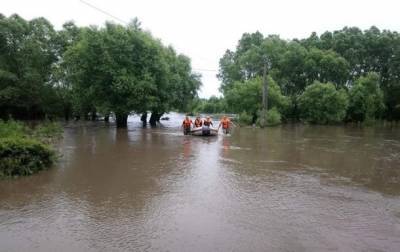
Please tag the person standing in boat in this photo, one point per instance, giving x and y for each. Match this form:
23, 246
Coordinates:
207, 123
198, 122
186, 124
226, 125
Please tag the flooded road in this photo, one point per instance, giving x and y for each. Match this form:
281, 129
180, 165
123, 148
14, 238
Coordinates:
289, 188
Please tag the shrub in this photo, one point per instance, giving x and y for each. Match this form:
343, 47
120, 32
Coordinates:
12, 128
24, 151
245, 119
321, 103
247, 96
273, 117
47, 131
21, 156
366, 99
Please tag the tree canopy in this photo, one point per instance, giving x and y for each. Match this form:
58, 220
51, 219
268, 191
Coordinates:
117, 69
348, 59
82, 70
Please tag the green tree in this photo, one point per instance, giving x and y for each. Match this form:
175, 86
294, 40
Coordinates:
116, 68
366, 51
366, 99
326, 66
27, 54
124, 69
247, 97
321, 103
247, 62
211, 105
181, 85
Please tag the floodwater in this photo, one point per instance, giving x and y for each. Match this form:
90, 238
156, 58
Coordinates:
289, 188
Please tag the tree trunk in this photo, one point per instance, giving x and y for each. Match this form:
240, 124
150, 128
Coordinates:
67, 113
122, 120
159, 116
66, 117
93, 115
154, 118
143, 118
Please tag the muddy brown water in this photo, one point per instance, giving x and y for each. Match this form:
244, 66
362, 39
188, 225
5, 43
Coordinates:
289, 188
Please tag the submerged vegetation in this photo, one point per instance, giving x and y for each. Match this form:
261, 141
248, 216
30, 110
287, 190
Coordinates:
25, 150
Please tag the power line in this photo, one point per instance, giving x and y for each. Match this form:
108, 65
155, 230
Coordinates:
103, 11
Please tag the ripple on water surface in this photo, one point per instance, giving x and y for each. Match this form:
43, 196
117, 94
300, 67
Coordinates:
290, 188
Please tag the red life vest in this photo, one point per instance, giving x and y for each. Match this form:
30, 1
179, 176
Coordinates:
187, 123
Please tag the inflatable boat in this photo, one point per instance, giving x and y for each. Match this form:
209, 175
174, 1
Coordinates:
204, 131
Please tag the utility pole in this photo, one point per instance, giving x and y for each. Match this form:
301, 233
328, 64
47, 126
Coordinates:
264, 97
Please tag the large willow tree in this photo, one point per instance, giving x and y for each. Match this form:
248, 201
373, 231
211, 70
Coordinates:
124, 69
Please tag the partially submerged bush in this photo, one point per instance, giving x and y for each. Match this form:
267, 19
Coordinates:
273, 117
245, 119
366, 99
321, 103
12, 128
47, 130
21, 156
24, 151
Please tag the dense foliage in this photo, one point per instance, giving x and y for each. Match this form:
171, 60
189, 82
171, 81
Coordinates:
21, 156
364, 64
366, 99
84, 71
211, 105
245, 97
25, 150
322, 103
27, 54
273, 117
117, 70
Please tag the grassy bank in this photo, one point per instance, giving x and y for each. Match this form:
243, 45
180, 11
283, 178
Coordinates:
25, 150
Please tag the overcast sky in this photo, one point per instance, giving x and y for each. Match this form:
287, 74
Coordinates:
203, 30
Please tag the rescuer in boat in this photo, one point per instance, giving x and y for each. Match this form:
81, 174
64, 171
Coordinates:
226, 125
198, 122
206, 126
186, 125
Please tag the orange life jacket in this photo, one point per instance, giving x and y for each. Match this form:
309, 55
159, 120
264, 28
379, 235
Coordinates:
187, 123
225, 123
198, 123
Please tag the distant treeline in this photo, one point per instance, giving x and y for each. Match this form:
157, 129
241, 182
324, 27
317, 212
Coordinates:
345, 75
82, 72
